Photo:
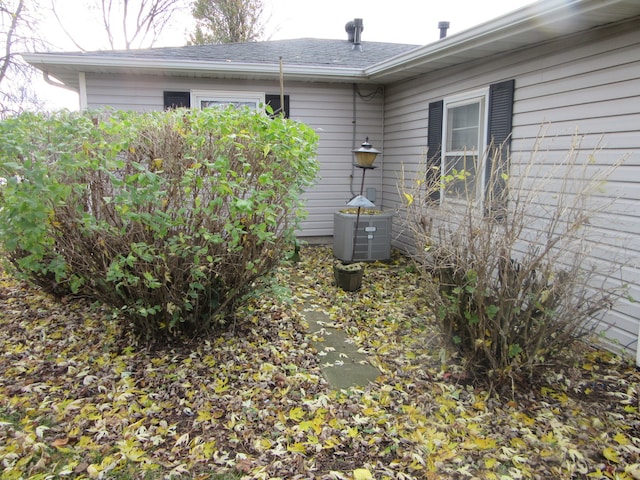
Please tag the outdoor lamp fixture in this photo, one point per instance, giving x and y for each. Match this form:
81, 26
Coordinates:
365, 155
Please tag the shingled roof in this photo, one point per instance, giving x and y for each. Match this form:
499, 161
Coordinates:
307, 59
303, 51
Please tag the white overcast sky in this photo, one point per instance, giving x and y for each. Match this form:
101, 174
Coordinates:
401, 21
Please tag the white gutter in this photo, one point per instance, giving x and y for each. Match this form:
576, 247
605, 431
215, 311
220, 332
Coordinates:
87, 62
540, 17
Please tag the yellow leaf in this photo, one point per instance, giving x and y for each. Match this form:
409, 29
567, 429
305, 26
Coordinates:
362, 474
204, 416
317, 424
621, 439
480, 405
332, 442
370, 411
611, 455
490, 463
297, 448
634, 470
221, 385
479, 444
548, 438
409, 198
518, 443
208, 449
306, 425
296, 414
92, 471
282, 417
264, 444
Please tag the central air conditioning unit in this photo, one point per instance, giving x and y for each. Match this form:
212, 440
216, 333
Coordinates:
373, 239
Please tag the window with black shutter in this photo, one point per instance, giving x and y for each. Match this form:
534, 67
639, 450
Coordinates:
467, 133
434, 149
177, 100
499, 141
275, 103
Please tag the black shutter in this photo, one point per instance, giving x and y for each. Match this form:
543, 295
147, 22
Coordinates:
177, 100
274, 102
434, 148
499, 142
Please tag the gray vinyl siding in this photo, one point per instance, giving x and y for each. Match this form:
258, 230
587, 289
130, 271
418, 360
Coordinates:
327, 108
587, 84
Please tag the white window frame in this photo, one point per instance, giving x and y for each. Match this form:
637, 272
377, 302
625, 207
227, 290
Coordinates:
252, 99
480, 96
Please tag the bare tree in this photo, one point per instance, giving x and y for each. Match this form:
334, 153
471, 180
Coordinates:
227, 21
128, 24
17, 34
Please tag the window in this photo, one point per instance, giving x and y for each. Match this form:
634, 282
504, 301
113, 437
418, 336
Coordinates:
463, 146
274, 101
211, 98
176, 100
466, 132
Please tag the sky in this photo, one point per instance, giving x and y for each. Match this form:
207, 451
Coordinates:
399, 21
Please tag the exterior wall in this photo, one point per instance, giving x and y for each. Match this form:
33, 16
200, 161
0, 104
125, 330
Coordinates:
587, 84
327, 108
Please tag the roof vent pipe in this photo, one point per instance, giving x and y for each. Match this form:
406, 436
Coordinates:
443, 26
354, 30
358, 27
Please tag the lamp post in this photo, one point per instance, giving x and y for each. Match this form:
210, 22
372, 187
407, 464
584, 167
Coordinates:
348, 274
365, 156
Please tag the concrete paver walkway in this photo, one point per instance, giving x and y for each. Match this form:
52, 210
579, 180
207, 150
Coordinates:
342, 364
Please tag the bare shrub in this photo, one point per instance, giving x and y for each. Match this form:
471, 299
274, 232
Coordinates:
511, 279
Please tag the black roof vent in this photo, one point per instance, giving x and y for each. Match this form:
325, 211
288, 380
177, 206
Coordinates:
443, 26
354, 31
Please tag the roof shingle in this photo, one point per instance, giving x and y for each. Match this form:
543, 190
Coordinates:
304, 51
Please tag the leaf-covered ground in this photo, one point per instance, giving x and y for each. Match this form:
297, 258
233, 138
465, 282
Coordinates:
77, 400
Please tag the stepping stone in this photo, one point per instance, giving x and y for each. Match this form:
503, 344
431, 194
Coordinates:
342, 364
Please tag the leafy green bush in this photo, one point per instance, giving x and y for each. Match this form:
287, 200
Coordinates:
168, 216
512, 281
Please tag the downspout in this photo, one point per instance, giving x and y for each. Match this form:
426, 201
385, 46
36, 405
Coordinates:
82, 81
384, 104
367, 97
353, 141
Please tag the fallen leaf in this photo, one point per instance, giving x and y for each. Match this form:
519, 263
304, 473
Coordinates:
362, 474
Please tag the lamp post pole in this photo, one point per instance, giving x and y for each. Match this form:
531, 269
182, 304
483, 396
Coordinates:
365, 156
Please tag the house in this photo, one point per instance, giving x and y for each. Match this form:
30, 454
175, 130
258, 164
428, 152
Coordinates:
570, 64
